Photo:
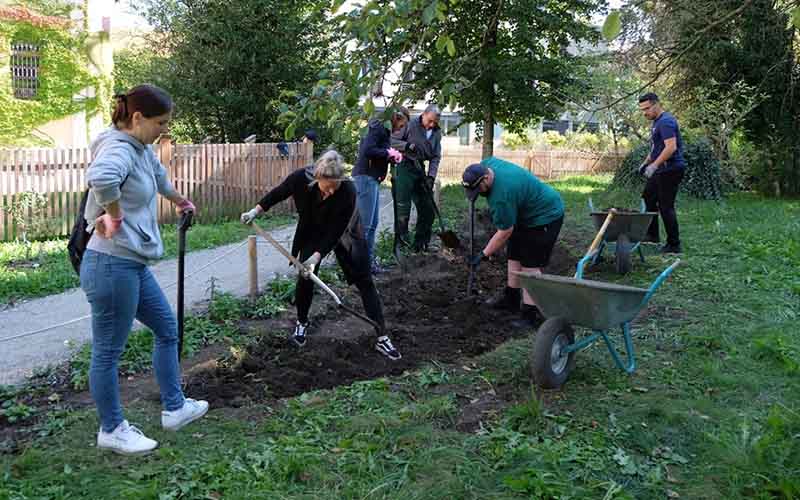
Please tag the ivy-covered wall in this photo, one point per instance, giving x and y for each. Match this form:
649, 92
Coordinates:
63, 73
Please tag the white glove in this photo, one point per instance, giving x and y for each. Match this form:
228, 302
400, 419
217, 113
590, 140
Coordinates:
248, 217
650, 170
311, 264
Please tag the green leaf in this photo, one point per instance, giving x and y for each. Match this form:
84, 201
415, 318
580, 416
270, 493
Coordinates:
369, 107
451, 48
441, 42
613, 26
453, 102
429, 13
387, 125
796, 17
289, 133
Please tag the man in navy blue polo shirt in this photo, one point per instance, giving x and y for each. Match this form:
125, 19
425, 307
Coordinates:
664, 168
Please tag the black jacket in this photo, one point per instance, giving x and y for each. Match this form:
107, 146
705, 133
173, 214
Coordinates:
424, 148
373, 159
322, 223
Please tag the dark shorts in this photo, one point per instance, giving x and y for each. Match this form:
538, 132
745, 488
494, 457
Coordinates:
532, 246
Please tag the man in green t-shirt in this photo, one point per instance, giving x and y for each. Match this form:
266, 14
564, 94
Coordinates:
528, 214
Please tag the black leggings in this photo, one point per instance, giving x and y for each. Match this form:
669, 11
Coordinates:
355, 264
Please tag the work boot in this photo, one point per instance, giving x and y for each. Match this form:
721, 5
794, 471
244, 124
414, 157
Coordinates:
507, 300
530, 317
299, 335
671, 248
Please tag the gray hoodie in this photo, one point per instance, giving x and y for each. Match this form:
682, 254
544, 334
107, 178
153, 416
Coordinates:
118, 157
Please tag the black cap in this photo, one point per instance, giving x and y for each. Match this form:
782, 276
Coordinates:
312, 136
472, 178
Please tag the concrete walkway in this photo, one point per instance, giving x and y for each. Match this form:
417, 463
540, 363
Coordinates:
21, 356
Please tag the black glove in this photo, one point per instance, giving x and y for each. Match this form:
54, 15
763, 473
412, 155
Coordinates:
475, 260
429, 182
642, 167
411, 147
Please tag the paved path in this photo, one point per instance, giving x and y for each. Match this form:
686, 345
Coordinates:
21, 356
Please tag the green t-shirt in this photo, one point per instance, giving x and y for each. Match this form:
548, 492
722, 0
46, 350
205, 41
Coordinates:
519, 199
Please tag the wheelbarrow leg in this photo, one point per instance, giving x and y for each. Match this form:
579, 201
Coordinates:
630, 366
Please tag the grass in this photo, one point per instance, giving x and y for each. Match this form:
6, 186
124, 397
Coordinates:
53, 272
712, 412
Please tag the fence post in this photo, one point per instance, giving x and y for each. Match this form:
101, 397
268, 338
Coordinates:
251, 251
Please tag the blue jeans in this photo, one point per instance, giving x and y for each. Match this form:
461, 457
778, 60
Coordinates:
120, 290
368, 203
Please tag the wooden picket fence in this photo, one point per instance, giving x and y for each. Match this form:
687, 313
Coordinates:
543, 164
221, 179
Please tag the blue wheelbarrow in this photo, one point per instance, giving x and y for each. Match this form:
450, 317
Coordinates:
625, 234
596, 305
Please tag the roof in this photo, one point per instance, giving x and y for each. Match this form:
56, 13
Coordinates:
22, 14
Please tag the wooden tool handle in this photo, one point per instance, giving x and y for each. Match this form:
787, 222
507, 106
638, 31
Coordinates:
599, 237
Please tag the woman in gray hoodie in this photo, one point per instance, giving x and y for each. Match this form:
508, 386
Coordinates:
124, 178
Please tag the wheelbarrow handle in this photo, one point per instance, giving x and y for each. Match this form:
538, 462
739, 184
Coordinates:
658, 281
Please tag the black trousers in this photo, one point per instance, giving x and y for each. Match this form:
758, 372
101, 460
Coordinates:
353, 257
659, 195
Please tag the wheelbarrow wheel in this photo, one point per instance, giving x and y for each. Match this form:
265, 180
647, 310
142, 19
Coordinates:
623, 256
550, 366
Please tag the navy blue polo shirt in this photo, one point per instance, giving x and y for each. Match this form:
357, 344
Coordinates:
666, 127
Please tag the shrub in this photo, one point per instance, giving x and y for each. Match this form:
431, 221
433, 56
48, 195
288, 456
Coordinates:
702, 177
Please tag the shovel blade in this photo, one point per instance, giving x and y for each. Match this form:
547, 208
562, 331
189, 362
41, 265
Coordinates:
450, 239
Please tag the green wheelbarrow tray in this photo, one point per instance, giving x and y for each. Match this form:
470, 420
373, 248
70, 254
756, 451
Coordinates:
632, 224
591, 304
626, 231
595, 305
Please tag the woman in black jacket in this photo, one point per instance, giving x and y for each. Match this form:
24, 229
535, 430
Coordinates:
328, 220
374, 155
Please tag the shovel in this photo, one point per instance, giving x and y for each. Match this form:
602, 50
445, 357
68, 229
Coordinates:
449, 238
183, 225
471, 281
313, 277
396, 240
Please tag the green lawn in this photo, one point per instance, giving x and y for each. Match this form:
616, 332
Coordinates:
54, 273
713, 411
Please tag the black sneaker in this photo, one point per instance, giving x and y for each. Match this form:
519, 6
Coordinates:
671, 248
299, 335
385, 347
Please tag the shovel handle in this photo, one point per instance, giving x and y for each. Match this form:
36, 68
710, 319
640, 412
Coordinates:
601, 232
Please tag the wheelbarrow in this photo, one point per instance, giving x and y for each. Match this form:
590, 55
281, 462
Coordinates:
625, 233
596, 305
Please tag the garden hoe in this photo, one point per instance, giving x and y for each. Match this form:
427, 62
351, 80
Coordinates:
313, 277
183, 225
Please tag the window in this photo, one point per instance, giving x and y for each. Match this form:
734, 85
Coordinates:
449, 124
24, 70
463, 134
560, 126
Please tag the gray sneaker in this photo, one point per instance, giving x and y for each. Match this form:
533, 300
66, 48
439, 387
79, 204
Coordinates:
299, 335
188, 413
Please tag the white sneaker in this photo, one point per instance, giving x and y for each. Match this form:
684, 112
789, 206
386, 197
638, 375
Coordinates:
191, 411
126, 440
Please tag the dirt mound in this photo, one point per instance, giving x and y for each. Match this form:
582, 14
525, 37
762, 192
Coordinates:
428, 316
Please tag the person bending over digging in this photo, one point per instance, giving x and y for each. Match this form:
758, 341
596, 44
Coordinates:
528, 214
328, 220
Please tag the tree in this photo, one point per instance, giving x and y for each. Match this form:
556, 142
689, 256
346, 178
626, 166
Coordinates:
227, 63
744, 44
495, 60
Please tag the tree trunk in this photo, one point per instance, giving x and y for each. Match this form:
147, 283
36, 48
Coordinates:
488, 134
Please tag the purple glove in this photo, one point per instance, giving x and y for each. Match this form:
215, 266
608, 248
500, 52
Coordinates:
395, 156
